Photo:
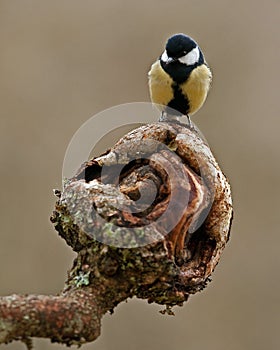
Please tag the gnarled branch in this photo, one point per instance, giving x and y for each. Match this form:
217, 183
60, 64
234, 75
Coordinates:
150, 218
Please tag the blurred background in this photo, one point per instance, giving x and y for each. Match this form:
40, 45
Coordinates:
63, 61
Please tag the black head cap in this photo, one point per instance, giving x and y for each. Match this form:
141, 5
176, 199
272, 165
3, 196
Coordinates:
179, 45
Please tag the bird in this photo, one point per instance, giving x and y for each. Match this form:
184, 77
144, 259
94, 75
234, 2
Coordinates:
180, 78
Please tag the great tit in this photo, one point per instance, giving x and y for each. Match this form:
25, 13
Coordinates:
180, 79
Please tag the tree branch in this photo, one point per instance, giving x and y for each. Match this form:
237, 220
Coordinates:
150, 218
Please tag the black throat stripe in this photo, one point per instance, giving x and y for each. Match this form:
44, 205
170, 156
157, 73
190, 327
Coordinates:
180, 72
179, 104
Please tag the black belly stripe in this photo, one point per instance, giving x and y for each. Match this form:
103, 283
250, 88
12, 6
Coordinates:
179, 73
180, 103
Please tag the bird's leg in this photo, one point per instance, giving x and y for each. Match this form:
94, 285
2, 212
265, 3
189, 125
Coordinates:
190, 122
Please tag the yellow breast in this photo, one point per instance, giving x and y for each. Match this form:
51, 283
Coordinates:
160, 85
196, 87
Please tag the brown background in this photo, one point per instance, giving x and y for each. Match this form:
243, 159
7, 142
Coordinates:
63, 61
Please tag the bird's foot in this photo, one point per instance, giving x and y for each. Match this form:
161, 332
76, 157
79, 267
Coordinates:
183, 119
163, 117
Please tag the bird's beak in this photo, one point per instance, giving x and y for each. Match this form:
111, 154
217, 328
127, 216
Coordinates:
170, 60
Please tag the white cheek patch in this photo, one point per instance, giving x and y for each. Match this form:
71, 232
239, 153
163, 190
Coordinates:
164, 56
190, 58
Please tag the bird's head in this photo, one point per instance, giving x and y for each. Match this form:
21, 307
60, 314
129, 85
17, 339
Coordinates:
183, 49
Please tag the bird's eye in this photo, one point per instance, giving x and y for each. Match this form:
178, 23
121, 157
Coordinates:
184, 53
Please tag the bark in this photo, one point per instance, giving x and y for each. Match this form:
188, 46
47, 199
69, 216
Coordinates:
150, 218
